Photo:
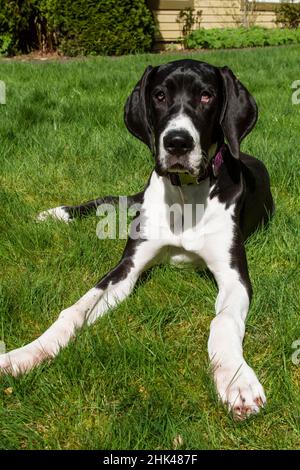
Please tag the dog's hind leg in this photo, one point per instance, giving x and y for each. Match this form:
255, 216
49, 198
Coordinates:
110, 290
69, 213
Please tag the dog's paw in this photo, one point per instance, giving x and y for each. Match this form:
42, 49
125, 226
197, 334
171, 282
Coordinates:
13, 364
59, 213
19, 361
239, 390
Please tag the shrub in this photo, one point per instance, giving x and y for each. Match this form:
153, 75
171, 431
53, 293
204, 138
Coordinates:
187, 18
231, 38
76, 26
103, 27
288, 15
5, 43
17, 25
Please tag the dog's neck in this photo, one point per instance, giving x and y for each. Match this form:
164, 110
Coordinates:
212, 169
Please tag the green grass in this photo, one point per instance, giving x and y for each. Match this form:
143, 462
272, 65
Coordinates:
139, 376
236, 38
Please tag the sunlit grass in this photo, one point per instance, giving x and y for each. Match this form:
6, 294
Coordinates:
139, 376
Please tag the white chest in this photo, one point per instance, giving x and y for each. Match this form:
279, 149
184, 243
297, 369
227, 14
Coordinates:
184, 217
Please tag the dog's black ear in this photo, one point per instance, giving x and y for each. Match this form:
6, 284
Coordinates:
136, 112
239, 112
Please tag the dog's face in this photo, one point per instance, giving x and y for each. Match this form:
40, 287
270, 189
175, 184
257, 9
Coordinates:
183, 111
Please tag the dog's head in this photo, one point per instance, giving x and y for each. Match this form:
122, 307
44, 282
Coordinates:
185, 109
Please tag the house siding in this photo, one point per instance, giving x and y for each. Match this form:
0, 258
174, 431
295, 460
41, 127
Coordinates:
215, 14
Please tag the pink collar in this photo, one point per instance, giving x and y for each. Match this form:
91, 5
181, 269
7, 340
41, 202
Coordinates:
218, 160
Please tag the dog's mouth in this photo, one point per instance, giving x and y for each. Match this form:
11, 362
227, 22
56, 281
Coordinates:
180, 164
177, 168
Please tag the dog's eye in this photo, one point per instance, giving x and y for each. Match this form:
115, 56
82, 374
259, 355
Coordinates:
205, 97
160, 96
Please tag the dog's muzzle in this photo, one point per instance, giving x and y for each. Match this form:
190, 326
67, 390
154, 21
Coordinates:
178, 144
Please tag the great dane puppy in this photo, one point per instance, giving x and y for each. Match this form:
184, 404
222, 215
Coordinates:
193, 117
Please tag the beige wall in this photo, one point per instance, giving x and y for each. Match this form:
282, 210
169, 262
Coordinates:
224, 13
266, 18
215, 14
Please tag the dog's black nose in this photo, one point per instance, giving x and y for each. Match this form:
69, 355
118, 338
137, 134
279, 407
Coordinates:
178, 142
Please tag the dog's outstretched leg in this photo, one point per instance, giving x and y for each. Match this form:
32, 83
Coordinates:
237, 385
113, 288
69, 213
224, 253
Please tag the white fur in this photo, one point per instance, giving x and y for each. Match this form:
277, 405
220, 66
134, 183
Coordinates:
58, 213
208, 240
182, 122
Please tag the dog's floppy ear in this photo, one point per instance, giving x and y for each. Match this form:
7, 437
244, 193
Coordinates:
239, 112
136, 113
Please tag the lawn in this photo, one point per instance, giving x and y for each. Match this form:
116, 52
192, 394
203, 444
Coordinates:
139, 377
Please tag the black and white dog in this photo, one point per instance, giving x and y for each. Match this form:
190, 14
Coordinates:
184, 111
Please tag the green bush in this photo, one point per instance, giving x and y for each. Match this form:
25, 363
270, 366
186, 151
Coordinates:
103, 27
288, 15
231, 38
5, 43
17, 25
76, 26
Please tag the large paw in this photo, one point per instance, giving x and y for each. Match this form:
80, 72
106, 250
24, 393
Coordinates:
59, 213
11, 364
20, 360
239, 389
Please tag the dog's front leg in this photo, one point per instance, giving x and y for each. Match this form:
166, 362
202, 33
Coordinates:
236, 383
113, 288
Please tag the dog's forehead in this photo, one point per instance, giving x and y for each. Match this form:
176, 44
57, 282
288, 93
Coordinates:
185, 71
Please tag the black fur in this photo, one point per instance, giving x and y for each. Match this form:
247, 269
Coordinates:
239, 111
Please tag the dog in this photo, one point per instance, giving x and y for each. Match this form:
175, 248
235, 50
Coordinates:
193, 117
